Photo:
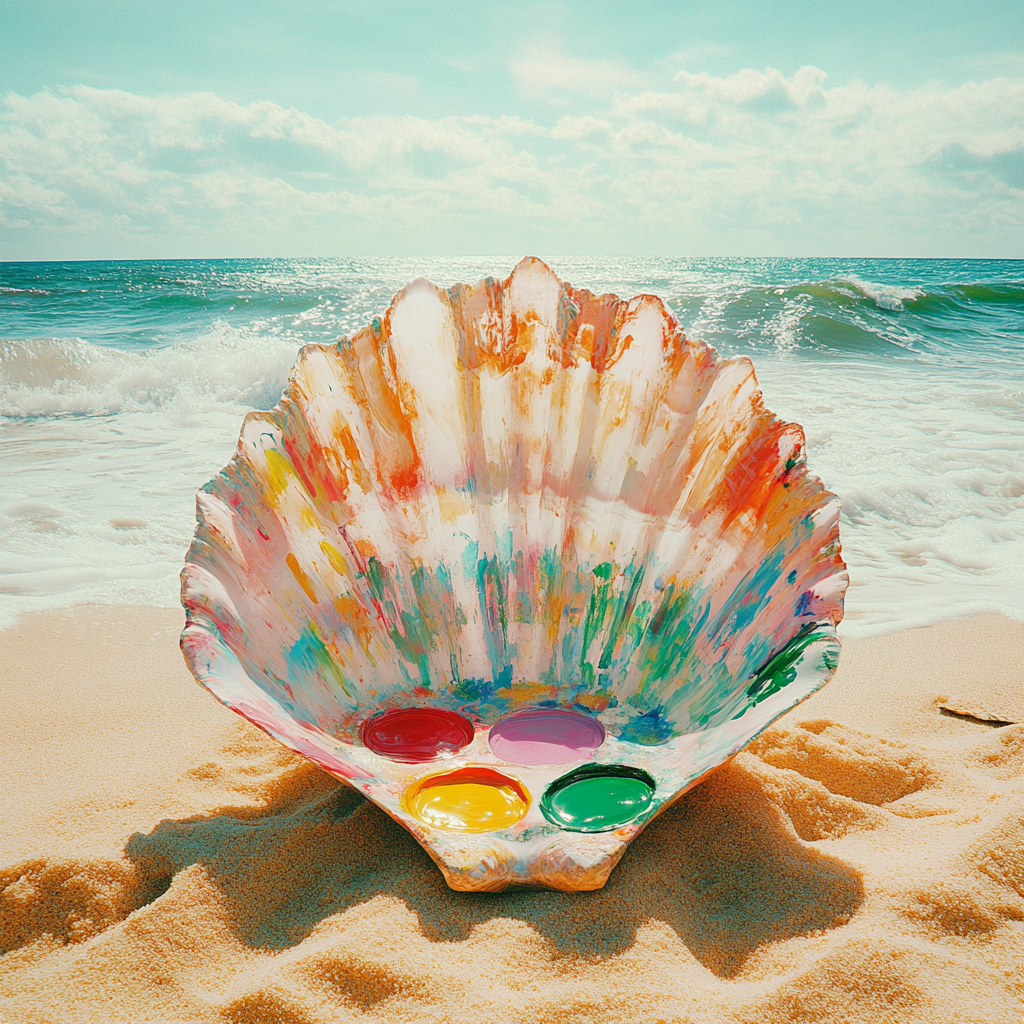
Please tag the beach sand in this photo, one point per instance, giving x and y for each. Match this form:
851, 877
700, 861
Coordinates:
165, 861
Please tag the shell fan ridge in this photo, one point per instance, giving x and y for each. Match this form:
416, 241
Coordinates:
516, 498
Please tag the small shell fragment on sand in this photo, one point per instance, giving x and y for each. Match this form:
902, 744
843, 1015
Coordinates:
968, 709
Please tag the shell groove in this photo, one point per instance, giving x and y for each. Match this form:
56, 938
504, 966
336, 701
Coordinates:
512, 496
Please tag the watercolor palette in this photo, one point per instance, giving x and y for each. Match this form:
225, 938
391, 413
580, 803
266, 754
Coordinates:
522, 564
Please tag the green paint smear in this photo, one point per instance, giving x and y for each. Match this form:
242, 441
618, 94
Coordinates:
613, 626
375, 577
668, 642
598, 798
310, 657
430, 621
781, 670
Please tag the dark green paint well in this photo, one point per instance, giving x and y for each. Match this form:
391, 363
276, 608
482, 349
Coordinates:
598, 797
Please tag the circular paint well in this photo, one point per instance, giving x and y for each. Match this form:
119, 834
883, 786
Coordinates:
598, 797
471, 799
416, 734
546, 736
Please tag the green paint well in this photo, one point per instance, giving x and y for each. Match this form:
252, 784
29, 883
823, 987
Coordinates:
598, 797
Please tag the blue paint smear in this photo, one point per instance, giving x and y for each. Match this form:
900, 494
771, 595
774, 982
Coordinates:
648, 730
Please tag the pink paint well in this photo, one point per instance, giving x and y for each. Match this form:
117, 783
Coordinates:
546, 736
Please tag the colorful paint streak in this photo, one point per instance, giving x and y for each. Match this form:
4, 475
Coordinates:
546, 736
598, 798
516, 497
471, 799
413, 735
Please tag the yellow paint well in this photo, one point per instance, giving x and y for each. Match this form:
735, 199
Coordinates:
467, 800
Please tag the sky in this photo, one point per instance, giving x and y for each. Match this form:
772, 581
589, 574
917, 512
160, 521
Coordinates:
215, 129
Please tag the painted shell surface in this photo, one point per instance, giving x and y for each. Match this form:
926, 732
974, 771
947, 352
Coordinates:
520, 563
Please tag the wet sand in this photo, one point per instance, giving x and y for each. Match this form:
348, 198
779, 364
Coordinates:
162, 860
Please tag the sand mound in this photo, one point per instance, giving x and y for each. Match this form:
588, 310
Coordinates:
165, 861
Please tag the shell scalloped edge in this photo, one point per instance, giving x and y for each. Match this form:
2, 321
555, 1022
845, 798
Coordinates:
507, 496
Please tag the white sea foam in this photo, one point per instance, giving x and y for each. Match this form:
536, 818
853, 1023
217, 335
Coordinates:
931, 480
104, 448
98, 499
104, 451
70, 377
885, 296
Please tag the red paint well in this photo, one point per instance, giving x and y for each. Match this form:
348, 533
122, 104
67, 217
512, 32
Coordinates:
416, 734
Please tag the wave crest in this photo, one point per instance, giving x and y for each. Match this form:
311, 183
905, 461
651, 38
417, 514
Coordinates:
55, 377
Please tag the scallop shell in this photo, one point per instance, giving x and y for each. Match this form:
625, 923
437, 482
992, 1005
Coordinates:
520, 563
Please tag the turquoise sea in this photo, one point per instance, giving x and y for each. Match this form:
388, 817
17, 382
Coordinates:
123, 386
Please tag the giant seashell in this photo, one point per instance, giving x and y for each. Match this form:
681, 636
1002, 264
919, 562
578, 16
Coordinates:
520, 563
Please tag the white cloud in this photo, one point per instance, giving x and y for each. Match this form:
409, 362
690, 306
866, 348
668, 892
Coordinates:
748, 85
544, 69
753, 161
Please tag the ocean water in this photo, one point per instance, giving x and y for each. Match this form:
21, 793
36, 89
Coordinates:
123, 387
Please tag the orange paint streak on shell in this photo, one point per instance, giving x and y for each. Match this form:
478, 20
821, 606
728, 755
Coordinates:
398, 465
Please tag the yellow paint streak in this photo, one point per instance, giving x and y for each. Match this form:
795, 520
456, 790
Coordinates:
335, 557
356, 618
452, 504
303, 580
593, 701
280, 470
522, 692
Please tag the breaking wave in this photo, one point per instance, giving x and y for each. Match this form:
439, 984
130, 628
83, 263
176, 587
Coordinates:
55, 377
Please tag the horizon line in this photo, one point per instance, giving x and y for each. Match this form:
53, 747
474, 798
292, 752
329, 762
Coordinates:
481, 256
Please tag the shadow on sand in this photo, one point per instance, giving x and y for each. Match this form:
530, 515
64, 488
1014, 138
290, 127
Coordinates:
722, 868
